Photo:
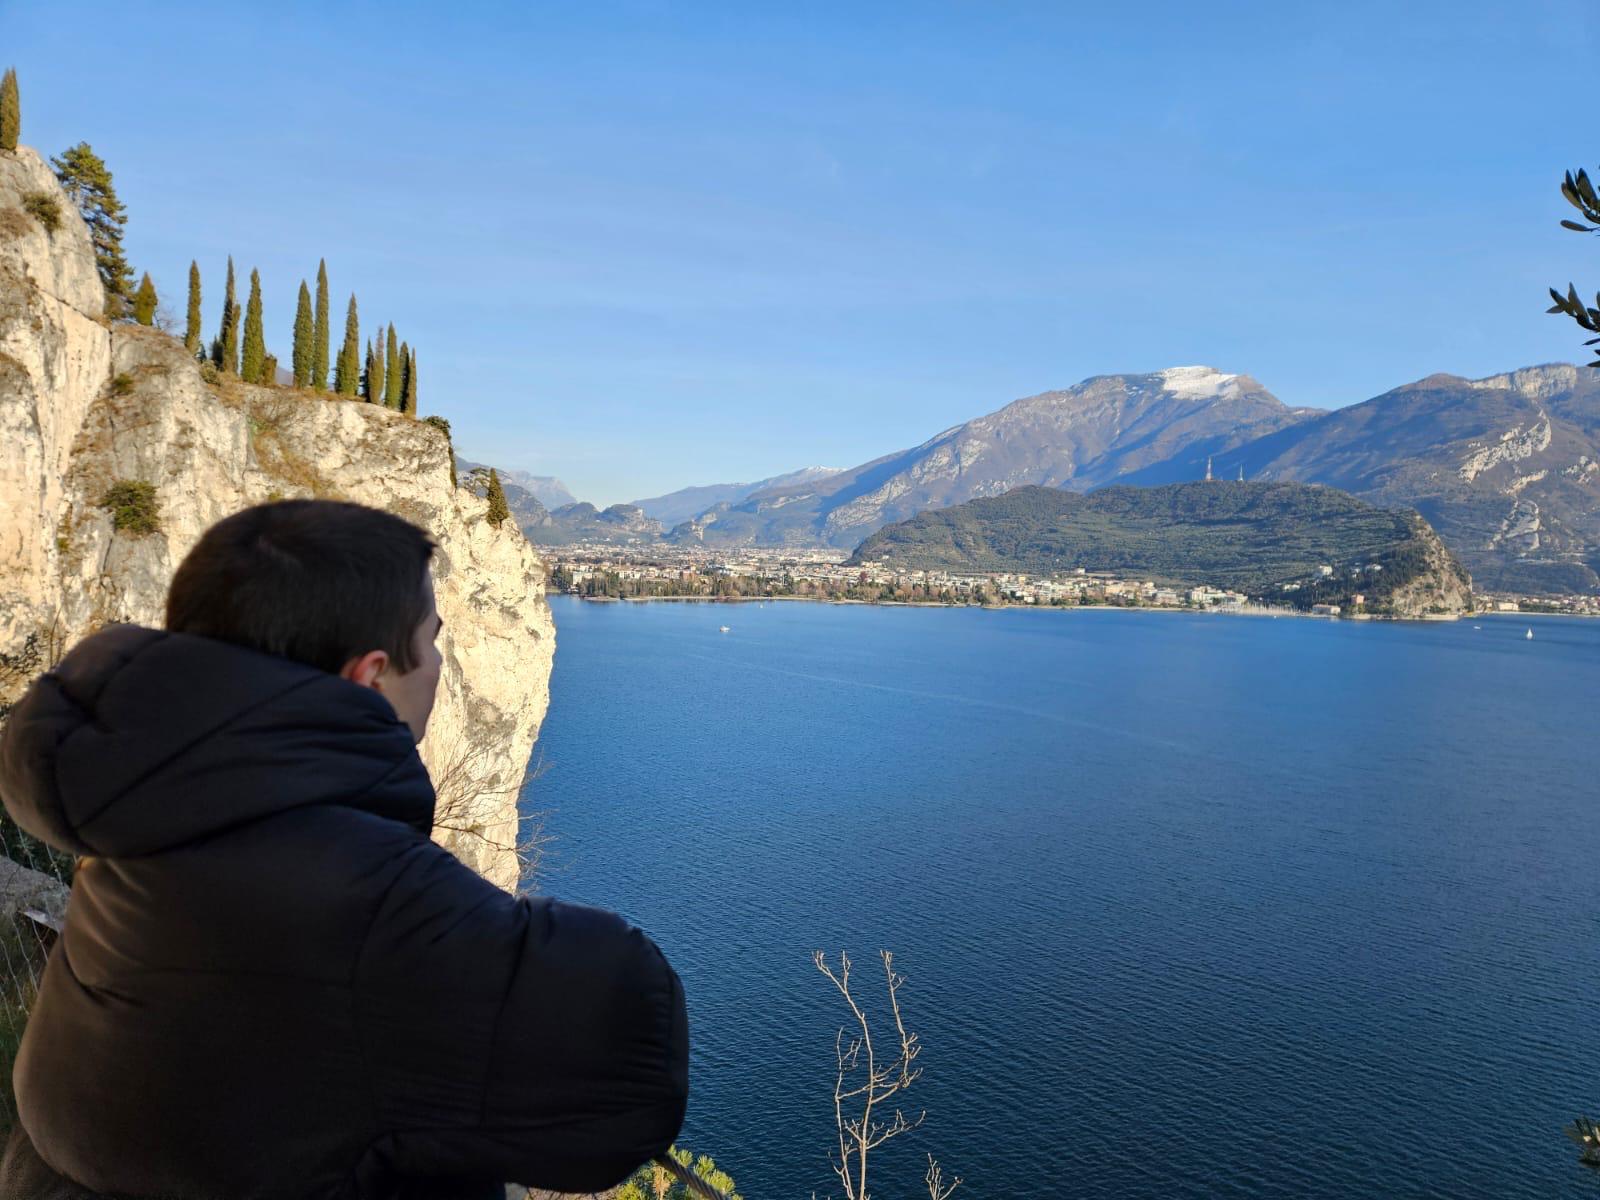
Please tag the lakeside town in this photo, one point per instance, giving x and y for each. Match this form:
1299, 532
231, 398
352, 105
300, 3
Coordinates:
602, 572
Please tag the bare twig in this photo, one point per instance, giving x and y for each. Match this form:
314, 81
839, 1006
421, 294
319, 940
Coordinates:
856, 1096
938, 1189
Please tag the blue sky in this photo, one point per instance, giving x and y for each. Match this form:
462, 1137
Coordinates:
645, 245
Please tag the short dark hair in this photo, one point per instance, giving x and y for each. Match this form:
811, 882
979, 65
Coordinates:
317, 581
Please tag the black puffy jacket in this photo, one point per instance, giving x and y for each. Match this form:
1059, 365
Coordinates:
271, 983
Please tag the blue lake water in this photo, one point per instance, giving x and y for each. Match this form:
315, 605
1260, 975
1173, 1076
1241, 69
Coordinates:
1186, 905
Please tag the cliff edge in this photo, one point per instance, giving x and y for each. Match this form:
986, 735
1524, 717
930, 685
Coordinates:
85, 404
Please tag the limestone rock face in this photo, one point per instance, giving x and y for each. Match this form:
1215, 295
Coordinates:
1441, 589
85, 404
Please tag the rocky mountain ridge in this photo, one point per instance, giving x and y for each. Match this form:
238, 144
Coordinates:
85, 404
685, 504
1080, 437
1506, 468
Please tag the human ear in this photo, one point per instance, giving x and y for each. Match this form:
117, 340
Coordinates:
366, 669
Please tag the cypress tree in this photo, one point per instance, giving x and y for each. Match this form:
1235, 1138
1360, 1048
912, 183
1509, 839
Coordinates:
269, 370
409, 404
144, 302
10, 111
191, 331
87, 182
377, 396
498, 509
255, 342
319, 337
228, 337
303, 333
391, 372
349, 364
366, 374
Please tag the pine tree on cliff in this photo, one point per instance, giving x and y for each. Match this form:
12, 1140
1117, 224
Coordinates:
405, 361
303, 333
391, 372
144, 302
348, 367
87, 182
191, 330
366, 373
269, 370
255, 339
10, 111
320, 335
227, 343
409, 402
498, 509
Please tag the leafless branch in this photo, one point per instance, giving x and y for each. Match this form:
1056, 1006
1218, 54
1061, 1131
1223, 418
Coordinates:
864, 1083
938, 1189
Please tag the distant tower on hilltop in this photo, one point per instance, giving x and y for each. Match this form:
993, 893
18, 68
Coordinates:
1208, 469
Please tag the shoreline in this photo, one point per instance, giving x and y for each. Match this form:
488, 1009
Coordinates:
1273, 613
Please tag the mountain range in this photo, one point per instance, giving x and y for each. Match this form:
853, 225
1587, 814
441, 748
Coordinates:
686, 503
546, 489
1506, 468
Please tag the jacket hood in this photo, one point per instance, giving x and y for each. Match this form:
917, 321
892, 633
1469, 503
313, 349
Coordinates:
141, 740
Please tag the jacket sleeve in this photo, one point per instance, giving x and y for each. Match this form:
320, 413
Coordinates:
527, 1041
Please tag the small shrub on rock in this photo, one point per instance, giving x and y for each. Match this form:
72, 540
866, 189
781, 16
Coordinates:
43, 208
134, 506
122, 384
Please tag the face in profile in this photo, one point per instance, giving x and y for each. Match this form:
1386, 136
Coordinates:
410, 692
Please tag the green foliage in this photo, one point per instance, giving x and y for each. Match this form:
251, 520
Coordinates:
1579, 192
255, 341
121, 384
391, 371
144, 301
304, 332
655, 1182
408, 389
43, 208
366, 374
134, 506
191, 328
10, 110
225, 350
499, 511
269, 370
376, 386
347, 371
320, 331
88, 185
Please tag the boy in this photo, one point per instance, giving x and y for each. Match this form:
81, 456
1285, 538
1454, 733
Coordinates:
270, 982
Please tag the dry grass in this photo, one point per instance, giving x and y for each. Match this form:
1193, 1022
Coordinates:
270, 416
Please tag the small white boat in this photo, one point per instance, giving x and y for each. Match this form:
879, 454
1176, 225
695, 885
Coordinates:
1530, 635
724, 629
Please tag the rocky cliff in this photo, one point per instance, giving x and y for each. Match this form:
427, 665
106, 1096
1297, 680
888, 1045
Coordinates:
85, 404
